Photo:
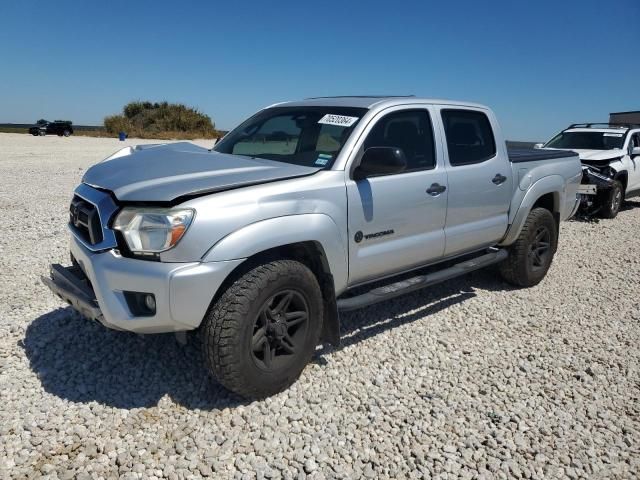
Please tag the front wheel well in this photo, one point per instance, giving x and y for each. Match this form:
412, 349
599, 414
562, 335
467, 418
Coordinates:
308, 253
623, 177
312, 255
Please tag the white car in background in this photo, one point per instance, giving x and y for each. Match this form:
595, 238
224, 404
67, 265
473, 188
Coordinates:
610, 156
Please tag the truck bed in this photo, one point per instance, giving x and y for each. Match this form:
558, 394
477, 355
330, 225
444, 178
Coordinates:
520, 155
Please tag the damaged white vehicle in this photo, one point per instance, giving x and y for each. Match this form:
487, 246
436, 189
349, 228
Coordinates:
610, 156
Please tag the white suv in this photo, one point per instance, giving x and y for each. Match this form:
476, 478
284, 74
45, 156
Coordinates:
610, 156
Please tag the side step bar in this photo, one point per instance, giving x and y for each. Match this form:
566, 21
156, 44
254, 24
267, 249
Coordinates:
396, 289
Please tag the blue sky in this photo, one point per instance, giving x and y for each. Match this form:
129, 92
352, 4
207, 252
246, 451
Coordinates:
539, 64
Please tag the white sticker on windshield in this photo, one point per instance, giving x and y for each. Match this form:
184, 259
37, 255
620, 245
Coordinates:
339, 120
613, 134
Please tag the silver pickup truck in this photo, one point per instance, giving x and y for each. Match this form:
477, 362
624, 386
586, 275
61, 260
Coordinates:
307, 209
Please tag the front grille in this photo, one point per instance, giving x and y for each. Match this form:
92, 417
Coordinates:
84, 218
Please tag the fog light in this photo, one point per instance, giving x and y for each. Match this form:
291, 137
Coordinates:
150, 302
141, 304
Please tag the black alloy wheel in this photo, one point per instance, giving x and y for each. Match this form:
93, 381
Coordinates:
540, 248
279, 330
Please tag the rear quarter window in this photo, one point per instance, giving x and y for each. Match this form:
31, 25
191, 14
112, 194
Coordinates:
469, 136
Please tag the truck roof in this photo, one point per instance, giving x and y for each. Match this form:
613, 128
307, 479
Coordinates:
372, 101
598, 130
602, 127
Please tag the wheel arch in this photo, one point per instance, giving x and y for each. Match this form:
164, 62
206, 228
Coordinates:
545, 193
312, 239
312, 255
550, 201
623, 177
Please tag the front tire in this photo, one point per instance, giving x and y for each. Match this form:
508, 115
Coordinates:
262, 331
532, 253
66, 133
612, 200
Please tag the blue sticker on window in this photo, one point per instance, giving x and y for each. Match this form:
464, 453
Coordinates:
323, 159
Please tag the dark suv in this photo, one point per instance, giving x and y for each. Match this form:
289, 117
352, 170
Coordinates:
57, 127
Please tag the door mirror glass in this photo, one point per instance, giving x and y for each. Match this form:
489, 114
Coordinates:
635, 151
381, 161
538, 145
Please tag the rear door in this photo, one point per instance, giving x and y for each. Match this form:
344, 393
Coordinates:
480, 183
394, 223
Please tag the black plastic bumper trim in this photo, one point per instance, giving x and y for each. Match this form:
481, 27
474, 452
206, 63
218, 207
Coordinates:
70, 284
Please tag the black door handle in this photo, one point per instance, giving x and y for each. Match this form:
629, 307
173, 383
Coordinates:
499, 179
436, 189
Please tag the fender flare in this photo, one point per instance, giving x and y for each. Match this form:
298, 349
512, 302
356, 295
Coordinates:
280, 231
550, 184
622, 173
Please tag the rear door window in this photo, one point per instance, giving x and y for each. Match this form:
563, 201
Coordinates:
469, 136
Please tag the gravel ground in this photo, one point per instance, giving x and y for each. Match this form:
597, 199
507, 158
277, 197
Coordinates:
470, 379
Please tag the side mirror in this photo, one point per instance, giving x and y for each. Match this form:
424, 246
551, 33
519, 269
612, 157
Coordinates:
380, 161
538, 145
635, 151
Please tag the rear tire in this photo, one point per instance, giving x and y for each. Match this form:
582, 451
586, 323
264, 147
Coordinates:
532, 253
258, 336
611, 200
66, 133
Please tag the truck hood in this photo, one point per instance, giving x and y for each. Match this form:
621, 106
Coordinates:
598, 155
165, 172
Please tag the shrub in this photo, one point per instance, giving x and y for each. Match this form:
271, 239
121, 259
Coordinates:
117, 123
147, 119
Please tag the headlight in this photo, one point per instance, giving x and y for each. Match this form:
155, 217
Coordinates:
152, 230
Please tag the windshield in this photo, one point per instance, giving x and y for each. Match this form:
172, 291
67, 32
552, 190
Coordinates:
306, 136
587, 140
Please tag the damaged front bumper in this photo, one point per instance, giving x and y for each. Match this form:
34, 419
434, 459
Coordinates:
594, 183
593, 180
101, 286
72, 286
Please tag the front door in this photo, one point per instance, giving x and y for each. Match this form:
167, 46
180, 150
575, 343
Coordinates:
394, 223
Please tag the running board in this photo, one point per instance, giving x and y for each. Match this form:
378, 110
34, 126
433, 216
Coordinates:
396, 289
